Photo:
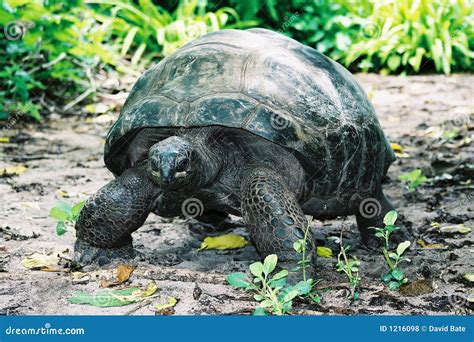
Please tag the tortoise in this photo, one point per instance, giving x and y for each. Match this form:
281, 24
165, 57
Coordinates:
242, 122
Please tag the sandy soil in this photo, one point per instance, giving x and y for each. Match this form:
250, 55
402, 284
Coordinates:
64, 161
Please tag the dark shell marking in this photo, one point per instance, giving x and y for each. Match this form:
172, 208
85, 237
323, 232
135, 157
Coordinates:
271, 86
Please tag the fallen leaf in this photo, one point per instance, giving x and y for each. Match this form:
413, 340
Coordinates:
453, 229
171, 302
4, 140
417, 288
47, 262
97, 108
12, 170
469, 277
227, 241
324, 252
396, 147
425, 245
116, 297
123, 274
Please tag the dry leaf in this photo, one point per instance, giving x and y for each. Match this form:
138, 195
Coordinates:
171, 302
12, 170
123, 274
451, 228
47, 262
227, 241
469, 277
425, 245
4, 140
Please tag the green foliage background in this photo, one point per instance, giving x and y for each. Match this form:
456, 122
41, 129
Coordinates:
51, 49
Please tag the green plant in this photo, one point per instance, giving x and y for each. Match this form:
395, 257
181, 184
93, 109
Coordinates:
413, 179
385, 36
408, 34
351, 269
269, 290
151, 29
394, 277
48, 51
52, 49
65, 215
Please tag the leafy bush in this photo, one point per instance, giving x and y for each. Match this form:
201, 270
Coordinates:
154, 30
379, 36
51, 48
48, 49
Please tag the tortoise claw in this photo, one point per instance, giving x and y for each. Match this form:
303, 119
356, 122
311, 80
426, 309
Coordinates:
86, 254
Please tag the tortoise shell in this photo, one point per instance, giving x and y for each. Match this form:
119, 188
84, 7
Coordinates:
269, 85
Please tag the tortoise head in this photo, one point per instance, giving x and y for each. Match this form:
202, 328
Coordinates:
170, 162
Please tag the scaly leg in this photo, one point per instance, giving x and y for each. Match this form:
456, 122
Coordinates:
109, 217
275, 219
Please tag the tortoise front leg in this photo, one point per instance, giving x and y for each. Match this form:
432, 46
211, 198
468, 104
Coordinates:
108, 218
275, 219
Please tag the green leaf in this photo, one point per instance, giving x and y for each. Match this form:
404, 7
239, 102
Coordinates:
397, 274
356, 295
303, 287
277, 283
266, 303
279, 275
238, 279
60, 228
59, 214
76, 209
324, 252
387, 277
390, 218
269, 263
117, 297
257, 269
393, 285
298, 246
290, 295
402, 247
259, 312
258, 297
393, 62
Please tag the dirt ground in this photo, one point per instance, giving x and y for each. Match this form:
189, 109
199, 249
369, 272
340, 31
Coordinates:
429, 116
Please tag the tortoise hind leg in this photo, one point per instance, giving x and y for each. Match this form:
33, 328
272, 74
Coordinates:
108, 218
371, 213
275, 219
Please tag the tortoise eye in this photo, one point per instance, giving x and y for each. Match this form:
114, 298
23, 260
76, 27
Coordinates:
182, 165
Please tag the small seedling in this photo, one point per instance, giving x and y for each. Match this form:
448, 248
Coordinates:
394, 277
350, 267
270, 289
65, 215
413, 179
